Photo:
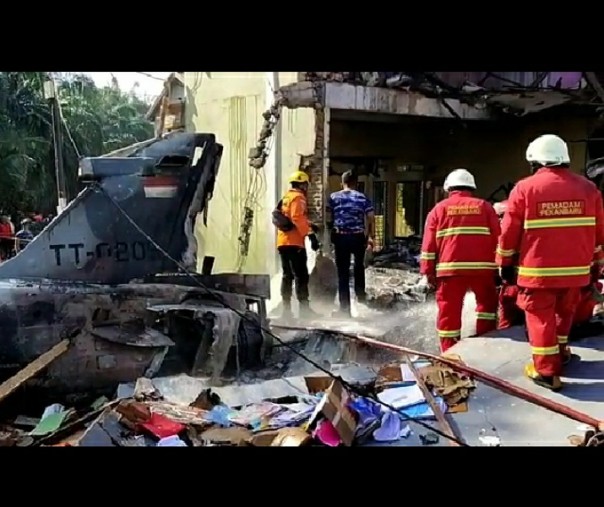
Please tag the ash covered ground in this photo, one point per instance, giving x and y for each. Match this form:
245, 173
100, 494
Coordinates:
396, 311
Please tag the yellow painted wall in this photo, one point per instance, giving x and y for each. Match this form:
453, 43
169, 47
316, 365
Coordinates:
230, 105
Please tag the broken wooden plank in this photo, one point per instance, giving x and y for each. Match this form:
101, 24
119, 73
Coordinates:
27, 422
33, 368
441, 418
69, 429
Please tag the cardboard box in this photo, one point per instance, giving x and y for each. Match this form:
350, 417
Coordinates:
334, 406
318, 383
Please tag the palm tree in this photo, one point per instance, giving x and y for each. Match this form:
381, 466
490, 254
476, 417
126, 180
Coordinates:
98, 120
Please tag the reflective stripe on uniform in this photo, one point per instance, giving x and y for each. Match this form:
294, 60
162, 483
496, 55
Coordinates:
547, 223
427, 256
563, 340
449, 334
543, 272
486, 316
443, 266
545, 351
454, 231
505, 253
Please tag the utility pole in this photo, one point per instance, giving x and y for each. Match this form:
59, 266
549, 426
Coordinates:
50, 93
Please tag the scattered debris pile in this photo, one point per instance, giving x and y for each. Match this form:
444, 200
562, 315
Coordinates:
402, 253
316, 409
386, 288
511, 92
393, 274
400, 80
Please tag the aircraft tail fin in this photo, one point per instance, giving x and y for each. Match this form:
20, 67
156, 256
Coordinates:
161, 186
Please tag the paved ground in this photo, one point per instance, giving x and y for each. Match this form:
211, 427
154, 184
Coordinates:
519, 423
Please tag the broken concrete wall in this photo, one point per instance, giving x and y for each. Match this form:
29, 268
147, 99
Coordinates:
230, 105
317, 190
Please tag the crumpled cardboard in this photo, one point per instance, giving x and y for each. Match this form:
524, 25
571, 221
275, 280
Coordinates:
317, 383
387, 374
452, 386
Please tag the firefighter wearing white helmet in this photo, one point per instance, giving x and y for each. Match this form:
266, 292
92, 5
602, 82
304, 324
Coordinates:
459, 178
551, 208
548, 150
458, 254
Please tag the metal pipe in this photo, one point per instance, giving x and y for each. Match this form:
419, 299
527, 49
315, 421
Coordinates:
497, 383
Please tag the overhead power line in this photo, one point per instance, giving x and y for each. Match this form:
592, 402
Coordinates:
151, 76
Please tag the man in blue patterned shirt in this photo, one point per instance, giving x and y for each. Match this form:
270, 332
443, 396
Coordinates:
353, 225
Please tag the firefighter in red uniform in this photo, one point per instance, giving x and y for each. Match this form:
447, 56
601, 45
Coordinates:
458, 254
553, 223
508, 314
587, 304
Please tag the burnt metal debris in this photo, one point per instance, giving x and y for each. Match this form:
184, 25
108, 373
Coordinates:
299, 406
91, 269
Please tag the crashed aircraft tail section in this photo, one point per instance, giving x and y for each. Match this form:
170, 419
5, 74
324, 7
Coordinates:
161, 187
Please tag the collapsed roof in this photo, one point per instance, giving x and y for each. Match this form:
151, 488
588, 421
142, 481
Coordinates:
517, 93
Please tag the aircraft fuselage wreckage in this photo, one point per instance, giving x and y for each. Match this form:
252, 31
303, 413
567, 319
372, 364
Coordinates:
104, 272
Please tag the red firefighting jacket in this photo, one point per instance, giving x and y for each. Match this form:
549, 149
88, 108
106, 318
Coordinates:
6, 231
554, 222
460, 237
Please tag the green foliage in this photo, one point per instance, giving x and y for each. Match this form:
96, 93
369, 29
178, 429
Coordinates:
99, 120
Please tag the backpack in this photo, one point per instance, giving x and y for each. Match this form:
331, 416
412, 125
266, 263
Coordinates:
280, 221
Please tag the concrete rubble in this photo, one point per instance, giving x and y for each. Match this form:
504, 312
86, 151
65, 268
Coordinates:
317, 389
363, 403
392, 276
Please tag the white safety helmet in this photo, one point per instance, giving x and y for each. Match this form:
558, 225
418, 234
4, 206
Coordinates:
459, 178
548, 150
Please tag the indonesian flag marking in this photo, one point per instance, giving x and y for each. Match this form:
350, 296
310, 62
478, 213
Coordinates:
160, 187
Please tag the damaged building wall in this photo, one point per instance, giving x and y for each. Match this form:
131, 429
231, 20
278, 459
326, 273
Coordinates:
316, 169
230, 105
493, 151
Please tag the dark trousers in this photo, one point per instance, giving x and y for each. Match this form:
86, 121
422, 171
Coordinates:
293, 262
6, 248
348, 246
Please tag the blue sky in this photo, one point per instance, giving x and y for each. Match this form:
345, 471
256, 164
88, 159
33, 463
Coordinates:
147, 86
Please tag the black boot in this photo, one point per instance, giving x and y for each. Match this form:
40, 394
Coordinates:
286, 313
306, 311
553, 383
342, 313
